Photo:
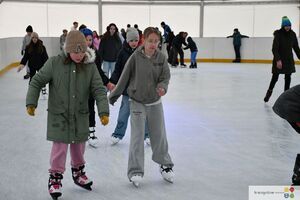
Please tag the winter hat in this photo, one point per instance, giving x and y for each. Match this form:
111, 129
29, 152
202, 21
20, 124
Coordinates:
75, 42
34, 34
86, 32
132, 34
29, 29
285, 21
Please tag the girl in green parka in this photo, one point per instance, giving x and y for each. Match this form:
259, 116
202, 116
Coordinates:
72, 76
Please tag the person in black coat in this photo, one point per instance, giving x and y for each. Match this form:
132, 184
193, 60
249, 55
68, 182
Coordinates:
35, 54
285, 40
178, 41
93, 140
287, 106
237, 43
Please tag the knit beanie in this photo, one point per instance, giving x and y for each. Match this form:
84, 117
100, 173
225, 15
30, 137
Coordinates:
29, 29
285, 21
86, 32
75, 42
34, 35
132, 34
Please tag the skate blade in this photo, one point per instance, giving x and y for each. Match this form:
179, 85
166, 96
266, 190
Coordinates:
170, 180
87, 186
135, 184
55, 195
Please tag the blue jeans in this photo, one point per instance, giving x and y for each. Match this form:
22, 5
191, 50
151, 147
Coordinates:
123, 116
193, 56
108, 68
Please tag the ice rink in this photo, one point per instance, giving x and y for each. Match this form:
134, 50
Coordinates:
222, 138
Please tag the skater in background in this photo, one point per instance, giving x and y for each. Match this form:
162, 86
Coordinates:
62, 39
193, 47
26, 41
72, 76
96, 40
147, 76
287, 106
35, 55
167, 30
74, 27
177, 43
285, 40
109, 48
93, 140
237, 42
132, 39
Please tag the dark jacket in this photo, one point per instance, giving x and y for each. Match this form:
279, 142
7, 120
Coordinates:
35, 57
109, 48
283, 44
237, 36
105, 80
124, 54
178, 41
191, 45
287, 105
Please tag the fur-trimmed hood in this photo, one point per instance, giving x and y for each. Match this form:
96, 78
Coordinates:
90, 55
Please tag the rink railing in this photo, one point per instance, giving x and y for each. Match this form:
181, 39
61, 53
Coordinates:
253, 50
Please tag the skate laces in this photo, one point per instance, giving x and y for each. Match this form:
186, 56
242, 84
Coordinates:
79, 173
166, 169
55, 180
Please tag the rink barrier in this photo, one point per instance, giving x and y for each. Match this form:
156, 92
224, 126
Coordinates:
199, 60
9, 67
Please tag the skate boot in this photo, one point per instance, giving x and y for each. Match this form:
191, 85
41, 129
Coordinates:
44, 91
296, 175
147, 141
136, 179
114, 140
80, 178
167, 173
54, 185
93, 140
268, 95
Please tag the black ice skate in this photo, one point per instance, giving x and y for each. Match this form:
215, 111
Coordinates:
54, 185
81, 179
296, 175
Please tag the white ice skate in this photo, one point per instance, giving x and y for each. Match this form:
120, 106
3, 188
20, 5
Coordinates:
93, 140
44, 93
114, 140
167, 173
147, 141
136, 179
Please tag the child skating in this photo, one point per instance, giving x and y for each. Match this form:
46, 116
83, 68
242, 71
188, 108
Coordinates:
72, 76
147, 76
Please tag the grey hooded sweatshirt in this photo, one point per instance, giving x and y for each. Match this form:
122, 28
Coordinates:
143, 76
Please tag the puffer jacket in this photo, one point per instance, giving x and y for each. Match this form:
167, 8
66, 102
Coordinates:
69, 87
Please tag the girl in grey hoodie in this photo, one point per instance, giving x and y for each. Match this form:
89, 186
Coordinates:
147, 76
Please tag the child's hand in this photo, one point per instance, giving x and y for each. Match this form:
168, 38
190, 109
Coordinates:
104, 120
279, 64
161, 91
110, 86
20, 67
30, 110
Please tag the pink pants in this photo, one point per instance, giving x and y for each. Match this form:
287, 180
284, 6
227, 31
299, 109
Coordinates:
59, 155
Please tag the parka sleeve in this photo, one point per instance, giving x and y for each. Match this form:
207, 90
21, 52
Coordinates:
38, 81
275, 47
99, 93
123, 81
296, 46
165, 76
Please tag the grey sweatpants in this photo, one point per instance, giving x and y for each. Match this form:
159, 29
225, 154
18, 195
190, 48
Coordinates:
157, 132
